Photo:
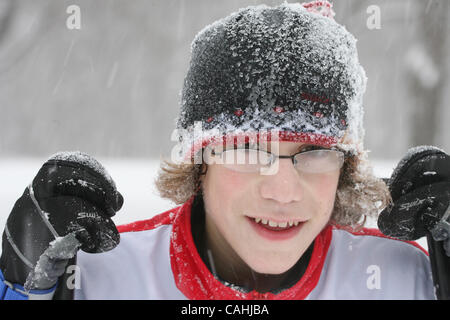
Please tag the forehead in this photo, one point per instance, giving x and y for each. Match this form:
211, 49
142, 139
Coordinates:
285, 145
266, 144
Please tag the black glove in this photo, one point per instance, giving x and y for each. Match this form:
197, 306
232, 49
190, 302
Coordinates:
420, 190
68, 206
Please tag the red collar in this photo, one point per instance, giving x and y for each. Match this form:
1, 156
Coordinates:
196, 282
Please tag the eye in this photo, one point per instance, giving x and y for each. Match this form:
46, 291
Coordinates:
247, 146
306, 154
312, 147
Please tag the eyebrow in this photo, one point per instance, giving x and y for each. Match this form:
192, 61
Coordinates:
297, 150
311, 145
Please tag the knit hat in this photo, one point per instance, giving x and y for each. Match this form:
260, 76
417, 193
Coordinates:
289, 69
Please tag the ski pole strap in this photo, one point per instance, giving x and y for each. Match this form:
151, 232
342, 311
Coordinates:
9, 291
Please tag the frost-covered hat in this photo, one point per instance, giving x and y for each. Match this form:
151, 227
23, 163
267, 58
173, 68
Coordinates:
290, 69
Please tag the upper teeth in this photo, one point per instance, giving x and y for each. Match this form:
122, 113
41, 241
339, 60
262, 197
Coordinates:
277, 224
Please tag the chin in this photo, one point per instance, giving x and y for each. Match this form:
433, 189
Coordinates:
276, 266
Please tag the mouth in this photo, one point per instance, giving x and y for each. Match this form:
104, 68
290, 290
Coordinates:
273, 230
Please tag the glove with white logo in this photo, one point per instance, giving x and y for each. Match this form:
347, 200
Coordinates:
420, 190
68, 206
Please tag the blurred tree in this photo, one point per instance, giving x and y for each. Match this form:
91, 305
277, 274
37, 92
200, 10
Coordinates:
6, 8
21, 22
428, 64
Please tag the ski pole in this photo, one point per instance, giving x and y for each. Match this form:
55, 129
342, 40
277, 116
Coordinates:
439, 256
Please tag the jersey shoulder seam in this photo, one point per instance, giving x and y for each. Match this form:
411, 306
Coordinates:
376, 233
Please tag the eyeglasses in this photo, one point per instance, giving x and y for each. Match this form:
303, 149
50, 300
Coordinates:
255, 160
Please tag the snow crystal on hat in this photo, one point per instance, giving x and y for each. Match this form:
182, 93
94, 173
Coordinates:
289, 68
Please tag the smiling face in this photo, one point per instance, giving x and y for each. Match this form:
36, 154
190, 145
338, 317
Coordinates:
266, 221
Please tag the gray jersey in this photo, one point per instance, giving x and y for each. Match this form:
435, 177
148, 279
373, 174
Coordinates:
157, 259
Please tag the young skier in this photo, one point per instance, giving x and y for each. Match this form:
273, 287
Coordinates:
272, 191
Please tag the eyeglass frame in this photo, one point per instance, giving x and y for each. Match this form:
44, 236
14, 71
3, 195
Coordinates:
273, 156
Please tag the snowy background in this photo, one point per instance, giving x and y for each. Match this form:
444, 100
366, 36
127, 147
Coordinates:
111, 88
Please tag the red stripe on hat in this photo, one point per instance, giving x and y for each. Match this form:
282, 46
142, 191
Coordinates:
253, 137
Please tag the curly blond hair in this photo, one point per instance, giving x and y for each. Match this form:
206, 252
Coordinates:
359, 193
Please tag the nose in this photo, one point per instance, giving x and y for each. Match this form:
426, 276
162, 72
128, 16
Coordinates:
284, 185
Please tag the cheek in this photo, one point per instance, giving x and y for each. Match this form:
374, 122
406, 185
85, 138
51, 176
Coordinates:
325, 187
226, 184
224, 190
